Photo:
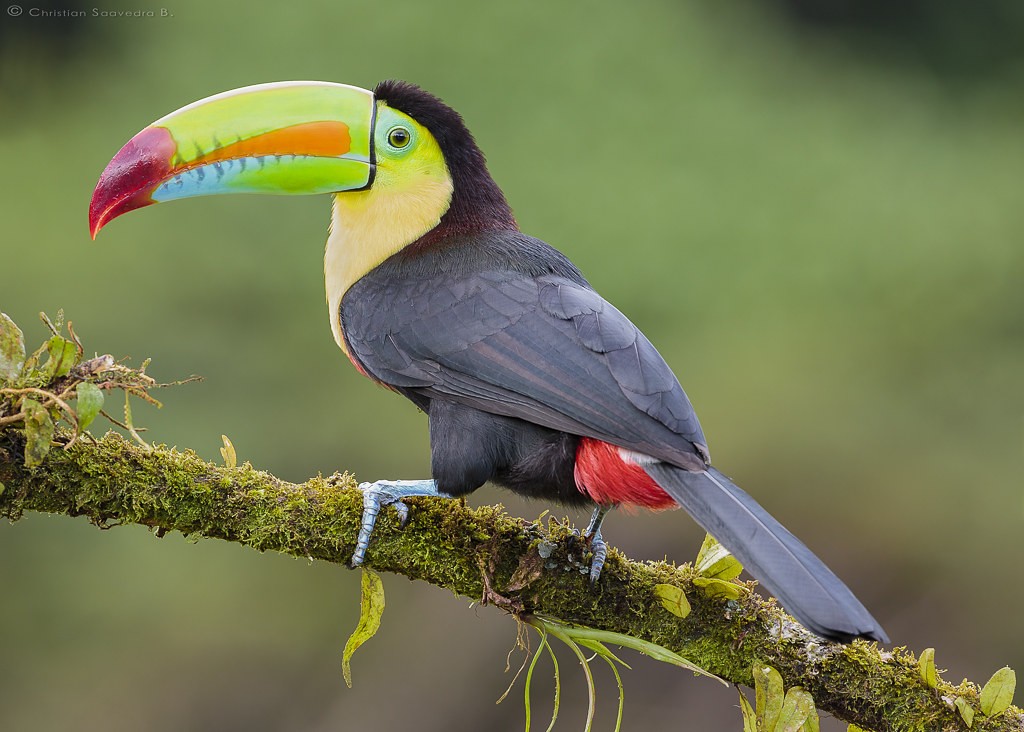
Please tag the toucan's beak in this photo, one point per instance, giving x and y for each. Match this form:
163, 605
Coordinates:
289, 137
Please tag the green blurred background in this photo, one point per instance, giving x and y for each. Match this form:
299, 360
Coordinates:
815, 210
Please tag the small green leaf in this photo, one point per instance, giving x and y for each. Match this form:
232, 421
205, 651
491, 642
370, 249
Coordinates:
714, 587
576, 633
673, 599
12, 349
602, 650
2, 487
998, 692
749, 718
90, 402
926, 664
715, 561
228, 453
768, 696
855, 728
38, 432
796, 709
372, 607
966, 711
63, 354
813, 724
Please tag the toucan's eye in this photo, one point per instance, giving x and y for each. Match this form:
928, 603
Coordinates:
399, 137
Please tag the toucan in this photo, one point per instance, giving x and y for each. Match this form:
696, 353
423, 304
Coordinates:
529, 378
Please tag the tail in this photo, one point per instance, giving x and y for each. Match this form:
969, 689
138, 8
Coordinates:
777, 559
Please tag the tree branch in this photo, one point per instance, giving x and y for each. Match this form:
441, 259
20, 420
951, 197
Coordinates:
479, 553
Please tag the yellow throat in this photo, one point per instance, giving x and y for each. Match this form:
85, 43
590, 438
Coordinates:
410, 194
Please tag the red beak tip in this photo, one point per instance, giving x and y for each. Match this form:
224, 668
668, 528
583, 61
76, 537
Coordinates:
130, 176
97, 219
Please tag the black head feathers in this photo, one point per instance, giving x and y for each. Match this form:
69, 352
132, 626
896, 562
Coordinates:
477, 202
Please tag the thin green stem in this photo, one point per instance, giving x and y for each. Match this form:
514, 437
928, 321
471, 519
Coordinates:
558, 683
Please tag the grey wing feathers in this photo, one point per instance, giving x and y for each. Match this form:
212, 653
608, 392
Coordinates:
637, 367
544, 349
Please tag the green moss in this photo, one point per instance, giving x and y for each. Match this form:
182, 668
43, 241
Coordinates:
456, 547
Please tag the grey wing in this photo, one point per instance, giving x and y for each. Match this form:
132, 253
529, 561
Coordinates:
543, 349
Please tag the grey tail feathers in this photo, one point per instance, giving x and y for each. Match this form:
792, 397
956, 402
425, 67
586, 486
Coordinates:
808, 589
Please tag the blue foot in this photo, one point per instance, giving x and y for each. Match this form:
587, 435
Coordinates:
384, 493
593, 536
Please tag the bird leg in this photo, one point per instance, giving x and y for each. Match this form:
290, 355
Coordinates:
593, 536
384, 493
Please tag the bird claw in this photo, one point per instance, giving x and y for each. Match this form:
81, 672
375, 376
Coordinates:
600, 551
592, 537
402, 510
377, 496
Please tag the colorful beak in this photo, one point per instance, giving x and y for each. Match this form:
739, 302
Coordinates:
293, 137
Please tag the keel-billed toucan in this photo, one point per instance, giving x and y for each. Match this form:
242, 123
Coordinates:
530, 379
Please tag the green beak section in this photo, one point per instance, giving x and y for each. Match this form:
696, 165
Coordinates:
299, 137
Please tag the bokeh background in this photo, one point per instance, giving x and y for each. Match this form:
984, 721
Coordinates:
814, 209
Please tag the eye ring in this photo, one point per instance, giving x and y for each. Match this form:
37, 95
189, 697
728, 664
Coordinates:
399, 137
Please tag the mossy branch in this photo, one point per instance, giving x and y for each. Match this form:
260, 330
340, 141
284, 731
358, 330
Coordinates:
526, 568
484, 554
